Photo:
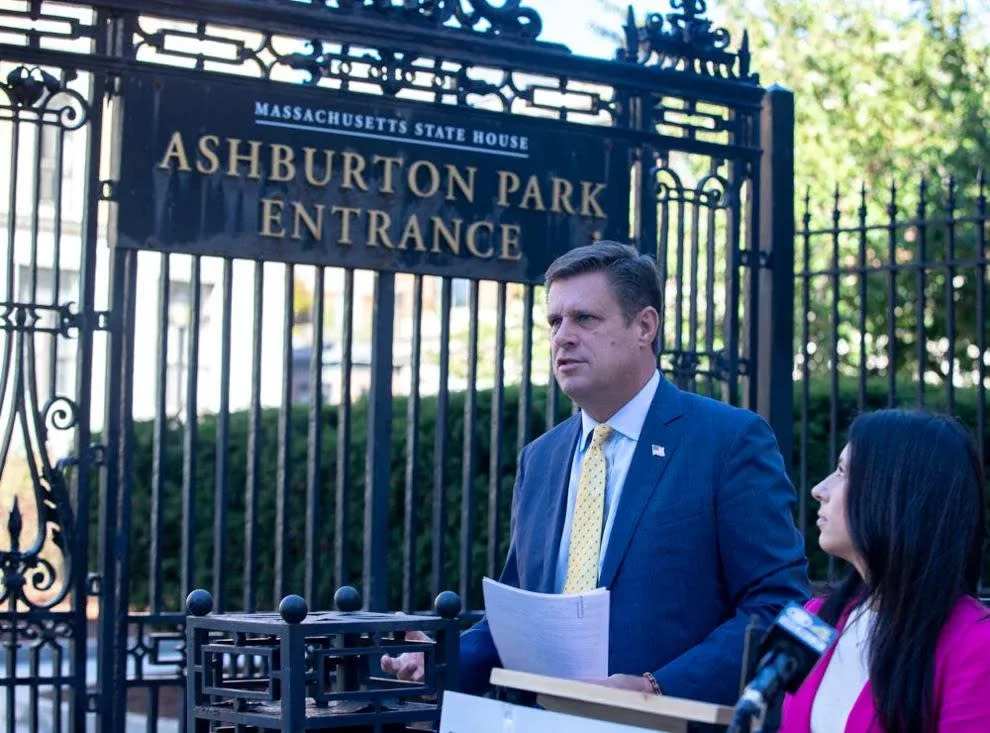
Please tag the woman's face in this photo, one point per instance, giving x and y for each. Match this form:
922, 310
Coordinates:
833, 520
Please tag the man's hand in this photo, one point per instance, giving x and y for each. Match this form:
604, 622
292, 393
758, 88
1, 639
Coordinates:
633, 682
408, 666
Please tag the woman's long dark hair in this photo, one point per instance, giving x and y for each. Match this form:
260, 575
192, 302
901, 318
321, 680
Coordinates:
916, 512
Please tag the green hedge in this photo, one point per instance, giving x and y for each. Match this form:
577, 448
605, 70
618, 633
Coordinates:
203, 492
818, 457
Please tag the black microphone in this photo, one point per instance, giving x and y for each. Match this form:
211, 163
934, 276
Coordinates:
755, 631
795, 641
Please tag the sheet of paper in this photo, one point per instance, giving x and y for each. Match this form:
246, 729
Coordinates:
462, 713
549, 633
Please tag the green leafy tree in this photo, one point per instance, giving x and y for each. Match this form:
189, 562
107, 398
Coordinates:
882, 89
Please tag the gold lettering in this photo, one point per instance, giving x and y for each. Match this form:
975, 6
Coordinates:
471, 242
532, 192
453, 239
508, 182
589, 201
175, 150
562, 190
510, 242
309, 167
235, 157
271, 214
283, 167
413, 177
378, 224
414, 232
207, 149
315, 226
346, 212
454, 176
389, 165
353, 168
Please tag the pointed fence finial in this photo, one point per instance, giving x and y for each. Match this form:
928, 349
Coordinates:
15, 524
744, 55
632, 35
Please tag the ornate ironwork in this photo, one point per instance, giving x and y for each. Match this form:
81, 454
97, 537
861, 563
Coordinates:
451, 82
685, 118
52, 511
712, 191
27, 86
298, 669
156, 648
176, 41
37, 96
35, 318
40, 642
393, 72
41, 24
685, 41
509, 20
679, 88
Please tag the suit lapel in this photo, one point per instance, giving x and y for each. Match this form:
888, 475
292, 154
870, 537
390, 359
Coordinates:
644, 474
552, 517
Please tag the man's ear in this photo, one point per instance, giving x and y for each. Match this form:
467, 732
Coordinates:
648, 322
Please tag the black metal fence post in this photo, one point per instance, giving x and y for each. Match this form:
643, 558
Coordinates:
377, 488
775, 395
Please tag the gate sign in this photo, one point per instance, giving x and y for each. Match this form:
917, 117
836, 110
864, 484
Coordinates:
316, 176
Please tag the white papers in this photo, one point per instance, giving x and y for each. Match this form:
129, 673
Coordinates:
549, 633
480, 715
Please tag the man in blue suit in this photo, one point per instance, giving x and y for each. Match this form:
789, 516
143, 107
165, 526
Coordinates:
697, 534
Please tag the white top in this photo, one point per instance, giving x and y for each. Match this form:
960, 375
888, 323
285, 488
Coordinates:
847, 673
626, 426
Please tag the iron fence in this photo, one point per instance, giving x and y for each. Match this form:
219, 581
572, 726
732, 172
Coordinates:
891, 299
205, 440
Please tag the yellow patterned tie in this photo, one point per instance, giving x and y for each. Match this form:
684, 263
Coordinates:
586, 524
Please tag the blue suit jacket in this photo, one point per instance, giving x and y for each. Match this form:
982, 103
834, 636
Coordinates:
703, 539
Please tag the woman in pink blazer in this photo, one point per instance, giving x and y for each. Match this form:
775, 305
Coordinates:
905, 508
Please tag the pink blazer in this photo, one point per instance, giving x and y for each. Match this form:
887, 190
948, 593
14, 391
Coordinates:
962, 678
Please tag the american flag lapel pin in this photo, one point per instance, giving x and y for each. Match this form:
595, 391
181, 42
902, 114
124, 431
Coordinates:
658, 451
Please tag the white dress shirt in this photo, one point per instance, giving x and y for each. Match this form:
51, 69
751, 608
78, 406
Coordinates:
626, 426
847, 673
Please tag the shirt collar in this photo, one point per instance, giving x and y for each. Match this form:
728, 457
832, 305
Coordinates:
630, 418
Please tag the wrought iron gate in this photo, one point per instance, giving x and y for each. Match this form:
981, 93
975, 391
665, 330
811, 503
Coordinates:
172, 420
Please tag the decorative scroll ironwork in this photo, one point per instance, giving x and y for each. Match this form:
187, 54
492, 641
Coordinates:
712, 191
37, 96
686, 41
36, 566
391, 72
450, 82
693, 221
30, 566
508, 20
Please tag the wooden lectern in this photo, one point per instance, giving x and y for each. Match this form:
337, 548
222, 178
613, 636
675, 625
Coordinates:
656, 712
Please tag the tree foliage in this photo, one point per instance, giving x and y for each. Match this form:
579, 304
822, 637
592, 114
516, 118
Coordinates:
883, 90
